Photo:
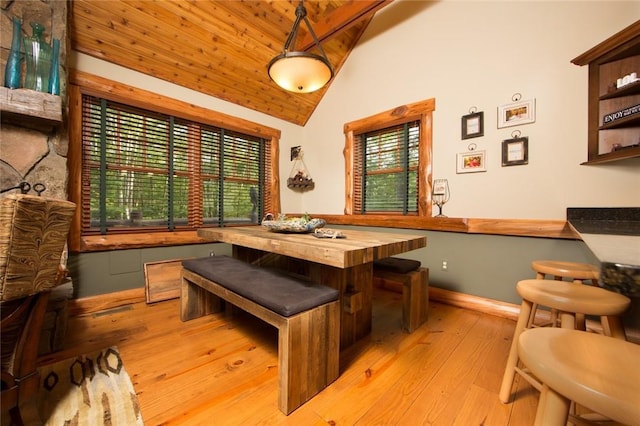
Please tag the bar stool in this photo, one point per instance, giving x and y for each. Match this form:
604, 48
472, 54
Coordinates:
575, 271
579, 273
604, 378
568, 299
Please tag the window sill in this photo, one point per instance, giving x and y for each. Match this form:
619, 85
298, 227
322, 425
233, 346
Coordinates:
541, 228
138, 240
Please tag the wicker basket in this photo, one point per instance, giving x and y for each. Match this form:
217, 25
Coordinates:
33, 234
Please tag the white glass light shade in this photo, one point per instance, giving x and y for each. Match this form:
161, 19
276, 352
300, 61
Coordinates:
300, 72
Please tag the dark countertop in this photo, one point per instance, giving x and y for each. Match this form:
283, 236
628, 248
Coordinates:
613, 235
605, 220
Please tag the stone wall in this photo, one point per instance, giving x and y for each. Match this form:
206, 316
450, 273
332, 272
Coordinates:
36, 156
29, 155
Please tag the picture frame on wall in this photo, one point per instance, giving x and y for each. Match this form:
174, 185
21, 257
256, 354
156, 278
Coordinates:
473, 125
471, 162
517, 113
515, 152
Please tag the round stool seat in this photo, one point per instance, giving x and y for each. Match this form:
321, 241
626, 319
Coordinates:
573, 270
569, 297
605, 377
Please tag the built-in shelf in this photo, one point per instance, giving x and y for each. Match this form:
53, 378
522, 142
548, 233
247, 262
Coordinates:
30, 108
615, 58
630, 121
631, 89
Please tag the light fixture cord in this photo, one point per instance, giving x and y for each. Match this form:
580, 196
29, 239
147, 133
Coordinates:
301, 13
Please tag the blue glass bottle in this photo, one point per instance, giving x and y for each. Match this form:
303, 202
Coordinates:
12, 69
38, 57
54, 76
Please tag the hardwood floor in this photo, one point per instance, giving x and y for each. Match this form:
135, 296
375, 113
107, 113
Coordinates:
222, 370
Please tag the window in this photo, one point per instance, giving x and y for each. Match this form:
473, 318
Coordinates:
386, 163
388, 159
144, 170
140, 167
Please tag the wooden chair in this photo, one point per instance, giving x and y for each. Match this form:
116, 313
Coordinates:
33, 233
594, 371
568, 299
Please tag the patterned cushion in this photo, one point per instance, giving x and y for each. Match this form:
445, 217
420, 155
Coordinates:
33, 234
270, 288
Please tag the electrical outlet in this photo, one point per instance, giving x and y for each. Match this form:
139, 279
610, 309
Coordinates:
445, 265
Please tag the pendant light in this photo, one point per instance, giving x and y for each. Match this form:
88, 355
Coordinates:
300, 72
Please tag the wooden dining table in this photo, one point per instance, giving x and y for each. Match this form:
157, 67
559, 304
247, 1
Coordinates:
345, 264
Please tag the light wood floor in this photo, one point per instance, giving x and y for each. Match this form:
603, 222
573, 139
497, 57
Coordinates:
221, 370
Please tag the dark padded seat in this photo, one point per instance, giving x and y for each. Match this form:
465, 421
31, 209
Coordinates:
397, 264
270, 288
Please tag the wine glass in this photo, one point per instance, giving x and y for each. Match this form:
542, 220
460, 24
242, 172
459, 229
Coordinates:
440, 194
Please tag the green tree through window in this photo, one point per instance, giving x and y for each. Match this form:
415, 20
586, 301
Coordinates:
144, 170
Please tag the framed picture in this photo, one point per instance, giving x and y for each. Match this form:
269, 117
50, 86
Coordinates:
517, 113
471, 162
473, 125
515, 151
295, 152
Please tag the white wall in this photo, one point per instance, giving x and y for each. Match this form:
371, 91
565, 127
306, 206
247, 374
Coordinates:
480, 54
463, 54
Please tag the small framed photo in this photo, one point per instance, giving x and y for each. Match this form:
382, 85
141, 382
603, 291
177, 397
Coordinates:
473, 125
515, 151
471, 162
295, 152
517, 113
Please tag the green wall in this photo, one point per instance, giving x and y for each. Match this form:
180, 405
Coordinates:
481, 265
112, 271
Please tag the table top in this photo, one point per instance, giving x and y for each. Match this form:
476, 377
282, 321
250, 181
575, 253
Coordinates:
596, 371
357, 248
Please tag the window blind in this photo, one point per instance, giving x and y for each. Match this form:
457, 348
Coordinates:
386, 170
148, 171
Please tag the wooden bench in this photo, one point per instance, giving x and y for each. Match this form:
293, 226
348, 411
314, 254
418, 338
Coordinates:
405, 276
307, 317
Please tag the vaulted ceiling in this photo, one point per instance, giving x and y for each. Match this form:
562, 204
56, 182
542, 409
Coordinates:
220, 48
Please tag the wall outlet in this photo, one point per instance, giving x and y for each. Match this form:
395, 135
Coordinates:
445, 265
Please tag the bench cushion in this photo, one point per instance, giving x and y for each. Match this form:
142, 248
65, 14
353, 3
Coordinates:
397, 264
270, 288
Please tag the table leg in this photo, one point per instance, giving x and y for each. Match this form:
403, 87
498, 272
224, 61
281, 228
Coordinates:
355, 285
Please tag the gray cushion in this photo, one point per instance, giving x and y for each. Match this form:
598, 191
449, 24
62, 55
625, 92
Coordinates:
397, 264
270, 288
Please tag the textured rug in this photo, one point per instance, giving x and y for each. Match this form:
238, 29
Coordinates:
91, 389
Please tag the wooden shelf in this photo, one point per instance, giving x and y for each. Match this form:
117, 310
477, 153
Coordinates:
31, 109
621, 154
630, 121
631, 89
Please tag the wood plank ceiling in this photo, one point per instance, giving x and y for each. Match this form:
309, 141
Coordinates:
220, 48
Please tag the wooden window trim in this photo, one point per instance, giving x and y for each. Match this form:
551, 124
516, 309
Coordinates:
422, 111
83, 83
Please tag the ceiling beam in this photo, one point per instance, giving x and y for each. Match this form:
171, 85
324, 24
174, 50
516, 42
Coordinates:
341, 19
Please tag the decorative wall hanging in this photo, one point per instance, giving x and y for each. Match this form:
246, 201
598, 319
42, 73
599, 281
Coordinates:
473, 124
472, 161
515, 151
299, 178
517, 113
